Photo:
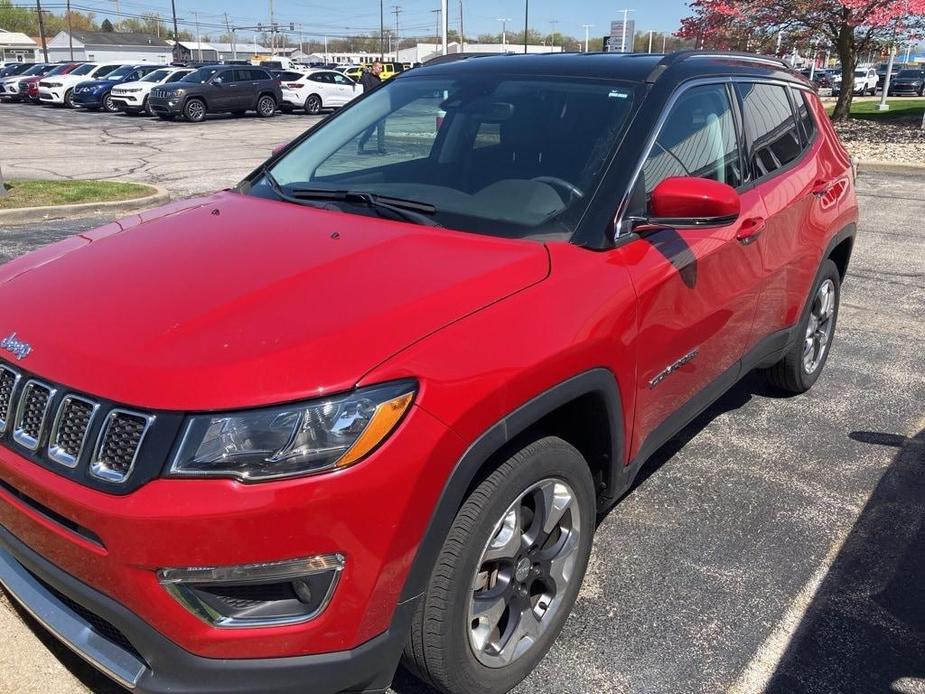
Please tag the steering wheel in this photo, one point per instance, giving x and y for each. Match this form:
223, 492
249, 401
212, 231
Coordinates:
561, 185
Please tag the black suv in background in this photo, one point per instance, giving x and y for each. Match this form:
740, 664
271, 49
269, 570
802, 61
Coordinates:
217, 89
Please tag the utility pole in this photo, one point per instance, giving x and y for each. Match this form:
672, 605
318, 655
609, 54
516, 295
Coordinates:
526, 23
234, 48
396, 9
554, 23
38, 6
664, 39
327, 59
195, 14
272, 31
118, 15
462, 33
176, 32
436, 30
650, 40
70, 31
381, 30
587, 28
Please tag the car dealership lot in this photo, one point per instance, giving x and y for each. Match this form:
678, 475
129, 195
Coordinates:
767, 517
185, 158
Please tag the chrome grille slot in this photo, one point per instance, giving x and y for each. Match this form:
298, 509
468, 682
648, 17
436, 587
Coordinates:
118, 445
31, 414
8, 381
69, 432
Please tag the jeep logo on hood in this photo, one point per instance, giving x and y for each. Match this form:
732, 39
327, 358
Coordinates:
15, 346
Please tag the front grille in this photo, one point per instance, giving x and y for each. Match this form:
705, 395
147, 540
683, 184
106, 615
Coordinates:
69, 433
120, 440
8, 380
31, 414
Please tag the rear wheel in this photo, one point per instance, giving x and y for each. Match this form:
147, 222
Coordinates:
313, 105
800, 367
194, 111
508, 574
266, 106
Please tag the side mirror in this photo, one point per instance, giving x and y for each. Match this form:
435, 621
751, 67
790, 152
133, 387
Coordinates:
218, 81
690, 201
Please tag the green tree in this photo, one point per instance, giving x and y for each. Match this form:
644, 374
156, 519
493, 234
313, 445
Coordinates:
107, 26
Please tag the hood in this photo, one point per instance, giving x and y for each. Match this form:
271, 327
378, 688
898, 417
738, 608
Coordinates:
97, 83
135, 83
234, 301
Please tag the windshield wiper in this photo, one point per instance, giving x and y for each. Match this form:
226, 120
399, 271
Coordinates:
406, 210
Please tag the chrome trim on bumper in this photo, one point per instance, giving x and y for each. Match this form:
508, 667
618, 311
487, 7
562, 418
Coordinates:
72, 630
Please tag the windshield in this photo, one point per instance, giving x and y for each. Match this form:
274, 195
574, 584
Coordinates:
860, 73
504, 155
120, 73
201, 76
912, 73
177, 76
60, 69
35, 70
83, 69
155, 76
105, 70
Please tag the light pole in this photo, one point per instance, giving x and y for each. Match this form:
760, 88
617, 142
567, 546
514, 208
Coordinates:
504, 22
588, 28
623, 38
444, 24
526, 22
650, 40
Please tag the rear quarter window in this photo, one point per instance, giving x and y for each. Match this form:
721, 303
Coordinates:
772, 130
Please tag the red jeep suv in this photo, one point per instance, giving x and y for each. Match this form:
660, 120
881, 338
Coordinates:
366, 407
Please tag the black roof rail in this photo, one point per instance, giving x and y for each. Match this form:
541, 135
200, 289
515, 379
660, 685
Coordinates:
454, 57
679, 56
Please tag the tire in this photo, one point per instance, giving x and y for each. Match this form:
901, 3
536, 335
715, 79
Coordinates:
194, 110
69, 99
793, 373
108, 106
454, 648
266, 106
313, 105
146, 107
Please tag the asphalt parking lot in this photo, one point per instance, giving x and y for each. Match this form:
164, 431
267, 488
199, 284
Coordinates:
185, 158
777, 544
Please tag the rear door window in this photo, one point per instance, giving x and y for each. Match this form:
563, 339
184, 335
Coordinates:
772, 131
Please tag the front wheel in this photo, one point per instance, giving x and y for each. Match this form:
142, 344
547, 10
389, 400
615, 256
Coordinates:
194, 111
266, 106
508, 573
108, 105
800, 367
146, 107
69, 99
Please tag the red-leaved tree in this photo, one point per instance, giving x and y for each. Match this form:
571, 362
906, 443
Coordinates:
851, 27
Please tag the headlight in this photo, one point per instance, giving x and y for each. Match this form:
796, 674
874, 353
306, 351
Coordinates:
290, 440
132, 90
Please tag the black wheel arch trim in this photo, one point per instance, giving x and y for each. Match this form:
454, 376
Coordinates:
599, 381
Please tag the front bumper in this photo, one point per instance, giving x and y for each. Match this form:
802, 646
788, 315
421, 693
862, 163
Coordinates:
51, 96
905, 89
117, 642
10, 91
88, 100
172, 106
127, 102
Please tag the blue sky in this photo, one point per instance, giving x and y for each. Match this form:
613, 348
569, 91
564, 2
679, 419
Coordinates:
341, 17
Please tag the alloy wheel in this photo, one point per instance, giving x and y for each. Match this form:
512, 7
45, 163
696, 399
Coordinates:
195, 110
523, 573
108, 106
313, 105
266, 106
819, 328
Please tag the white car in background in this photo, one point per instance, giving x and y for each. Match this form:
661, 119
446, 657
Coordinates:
865, 81
60, 88
320, 89
132, 97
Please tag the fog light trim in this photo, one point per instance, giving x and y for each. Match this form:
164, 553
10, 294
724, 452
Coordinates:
181, 583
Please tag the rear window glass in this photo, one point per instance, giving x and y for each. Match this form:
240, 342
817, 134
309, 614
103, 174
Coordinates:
805, 112
772, 129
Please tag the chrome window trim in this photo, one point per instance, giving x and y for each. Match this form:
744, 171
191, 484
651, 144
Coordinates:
21, 437
59, 455
17, 377
98, 468
663, 116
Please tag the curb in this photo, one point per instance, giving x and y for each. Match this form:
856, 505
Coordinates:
29, 215
876, 166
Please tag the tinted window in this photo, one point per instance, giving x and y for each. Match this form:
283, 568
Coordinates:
258, 75
806, 115
83, 69
340, 79
698, 139
177, 76
200, 76
775, 141
321, 77
156, 76
912, 74
105, 70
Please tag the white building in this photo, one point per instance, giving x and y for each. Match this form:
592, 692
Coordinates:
110, 47
423, 52
17, 48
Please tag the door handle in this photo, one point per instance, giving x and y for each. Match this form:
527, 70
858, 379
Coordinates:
820, 188
750, 230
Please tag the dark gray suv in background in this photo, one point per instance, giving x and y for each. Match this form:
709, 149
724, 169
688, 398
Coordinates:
233, 89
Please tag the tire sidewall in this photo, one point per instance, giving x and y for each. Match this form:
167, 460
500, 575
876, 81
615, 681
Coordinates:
558, 460
186, 112
262, 100
828, 271
313, 105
